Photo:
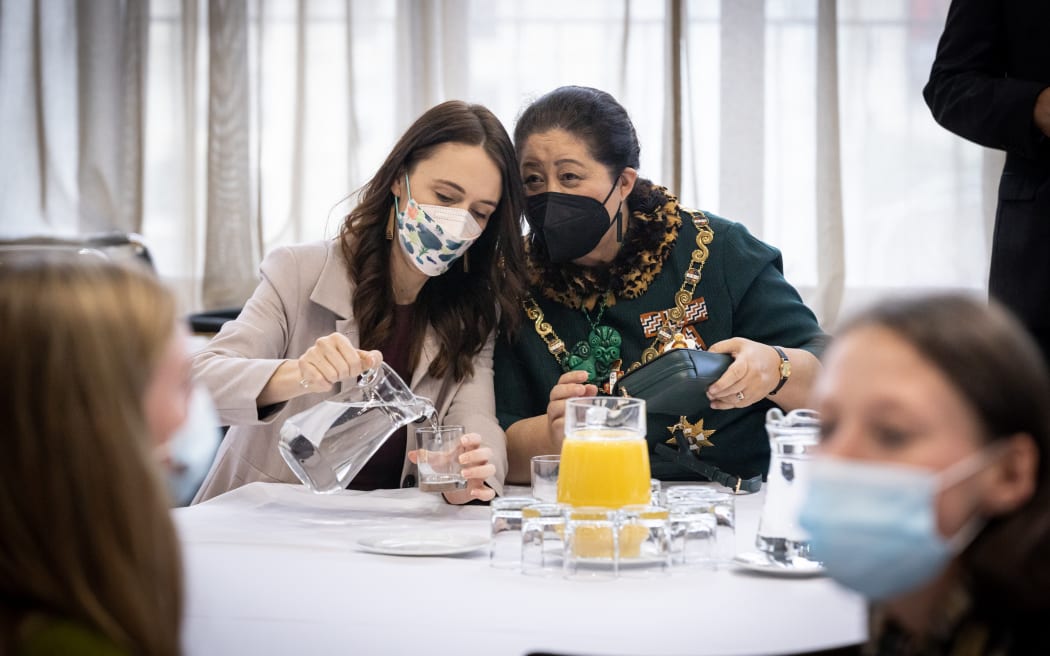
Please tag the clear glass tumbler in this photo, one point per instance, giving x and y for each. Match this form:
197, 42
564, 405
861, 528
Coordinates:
439, 451
542, 539
505, 535
545, 477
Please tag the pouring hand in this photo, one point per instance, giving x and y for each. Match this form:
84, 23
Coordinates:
571, 385
331, 359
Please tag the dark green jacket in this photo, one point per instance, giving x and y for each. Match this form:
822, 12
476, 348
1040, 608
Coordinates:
746, 296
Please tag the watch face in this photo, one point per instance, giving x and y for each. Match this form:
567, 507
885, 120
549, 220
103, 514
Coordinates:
785, 369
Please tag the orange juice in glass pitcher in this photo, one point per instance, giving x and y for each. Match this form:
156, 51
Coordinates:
604, 461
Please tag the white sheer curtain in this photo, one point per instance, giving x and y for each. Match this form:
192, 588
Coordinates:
802, 119
72, 157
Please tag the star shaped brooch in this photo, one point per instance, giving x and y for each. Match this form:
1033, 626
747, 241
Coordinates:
694, 433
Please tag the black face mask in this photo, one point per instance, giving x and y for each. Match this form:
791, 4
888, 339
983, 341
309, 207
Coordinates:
571, 225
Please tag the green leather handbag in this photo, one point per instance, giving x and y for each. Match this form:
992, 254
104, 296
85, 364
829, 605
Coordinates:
676, 381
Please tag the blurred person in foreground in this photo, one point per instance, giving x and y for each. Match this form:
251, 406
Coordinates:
931, 497
422, 272
990, 83
94, 383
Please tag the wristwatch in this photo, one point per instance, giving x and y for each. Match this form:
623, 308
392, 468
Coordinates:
785, 369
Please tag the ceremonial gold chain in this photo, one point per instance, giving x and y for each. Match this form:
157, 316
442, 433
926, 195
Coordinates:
673, 318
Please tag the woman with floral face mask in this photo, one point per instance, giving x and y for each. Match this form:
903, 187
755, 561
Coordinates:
612, 259
931, 496
422, 270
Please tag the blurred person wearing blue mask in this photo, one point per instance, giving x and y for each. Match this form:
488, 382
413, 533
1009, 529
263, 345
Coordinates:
931, 495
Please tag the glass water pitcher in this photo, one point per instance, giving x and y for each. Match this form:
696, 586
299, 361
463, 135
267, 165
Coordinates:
329, 443
792, 440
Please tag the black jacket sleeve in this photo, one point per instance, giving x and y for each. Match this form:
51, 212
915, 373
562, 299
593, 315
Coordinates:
970, 91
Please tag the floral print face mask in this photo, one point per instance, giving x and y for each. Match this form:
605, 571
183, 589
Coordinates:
434, 236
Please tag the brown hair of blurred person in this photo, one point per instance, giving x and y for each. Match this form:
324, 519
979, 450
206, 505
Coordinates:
85, 531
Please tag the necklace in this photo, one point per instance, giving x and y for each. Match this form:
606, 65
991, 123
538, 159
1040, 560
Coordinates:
601, 338
599, 351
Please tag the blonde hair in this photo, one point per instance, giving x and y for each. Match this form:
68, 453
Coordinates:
85, 530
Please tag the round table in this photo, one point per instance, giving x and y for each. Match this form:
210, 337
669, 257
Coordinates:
275, 569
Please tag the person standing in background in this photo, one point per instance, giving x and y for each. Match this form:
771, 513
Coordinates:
990, 84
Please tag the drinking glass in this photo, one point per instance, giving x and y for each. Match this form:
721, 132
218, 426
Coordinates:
542, 544
439, 451
693, 532
545, 477
592, 550
656, 495
724, 509
676, 492
505, 535
604, 458
693, 505
645, 541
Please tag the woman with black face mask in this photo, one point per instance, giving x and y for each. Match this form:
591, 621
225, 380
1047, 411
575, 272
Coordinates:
617, 268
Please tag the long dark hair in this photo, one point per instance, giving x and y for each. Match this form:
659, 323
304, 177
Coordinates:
1000, 372
461, 305
594, 117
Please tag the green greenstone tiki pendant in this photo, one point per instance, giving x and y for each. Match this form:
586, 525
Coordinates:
597, 354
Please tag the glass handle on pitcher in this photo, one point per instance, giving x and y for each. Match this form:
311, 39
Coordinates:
367, 377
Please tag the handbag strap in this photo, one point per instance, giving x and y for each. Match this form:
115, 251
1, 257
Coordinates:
683, 457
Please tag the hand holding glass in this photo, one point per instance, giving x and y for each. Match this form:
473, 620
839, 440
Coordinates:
439, 451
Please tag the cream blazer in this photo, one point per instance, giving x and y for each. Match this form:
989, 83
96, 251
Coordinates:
305, 294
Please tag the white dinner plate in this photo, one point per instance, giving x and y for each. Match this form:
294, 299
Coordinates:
755, 561
423, 543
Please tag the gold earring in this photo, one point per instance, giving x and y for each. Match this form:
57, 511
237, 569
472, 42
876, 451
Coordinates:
390, 226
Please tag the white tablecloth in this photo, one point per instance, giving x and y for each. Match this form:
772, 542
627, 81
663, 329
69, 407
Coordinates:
274, 569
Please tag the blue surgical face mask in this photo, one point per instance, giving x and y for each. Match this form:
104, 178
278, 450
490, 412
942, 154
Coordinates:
874, 525
192, 448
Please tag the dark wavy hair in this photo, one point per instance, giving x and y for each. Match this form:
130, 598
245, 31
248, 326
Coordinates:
463, 306
594, 117
998, 369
